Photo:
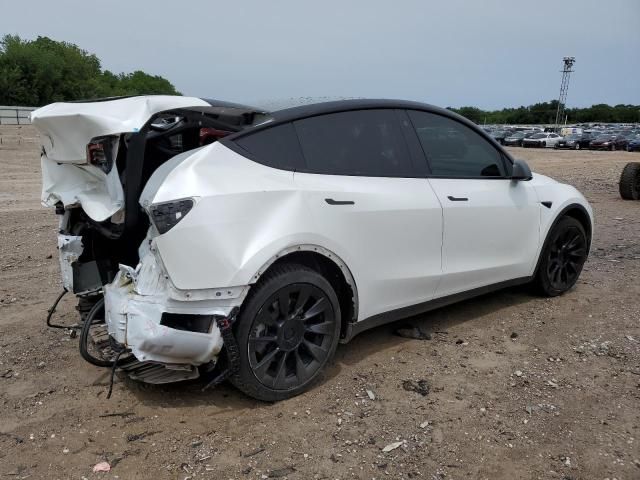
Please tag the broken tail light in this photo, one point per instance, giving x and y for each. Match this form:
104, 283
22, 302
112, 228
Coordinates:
101, 152
166, 215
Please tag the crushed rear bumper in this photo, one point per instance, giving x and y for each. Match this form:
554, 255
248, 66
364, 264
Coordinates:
160, 324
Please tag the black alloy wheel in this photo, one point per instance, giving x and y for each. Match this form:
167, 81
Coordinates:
564, 255
288, 331
291, 336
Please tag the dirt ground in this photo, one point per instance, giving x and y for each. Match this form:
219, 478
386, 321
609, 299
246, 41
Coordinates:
520, 386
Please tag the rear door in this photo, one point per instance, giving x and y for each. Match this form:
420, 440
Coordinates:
368, 196
491, 223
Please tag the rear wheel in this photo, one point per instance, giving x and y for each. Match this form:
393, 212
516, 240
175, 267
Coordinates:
630, 181
563, 256
577, 146
287, 332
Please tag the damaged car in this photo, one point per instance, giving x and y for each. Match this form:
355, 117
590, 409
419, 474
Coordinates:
205, 238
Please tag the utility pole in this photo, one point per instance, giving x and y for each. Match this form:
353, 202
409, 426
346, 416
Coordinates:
564, 88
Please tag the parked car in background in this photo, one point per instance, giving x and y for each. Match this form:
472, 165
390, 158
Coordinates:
633, 145
542, 140
515, 139
574, 141
609, 142
500, 135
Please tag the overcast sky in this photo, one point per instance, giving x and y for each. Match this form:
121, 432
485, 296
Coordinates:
487, 53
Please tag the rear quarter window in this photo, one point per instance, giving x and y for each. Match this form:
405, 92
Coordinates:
276, 147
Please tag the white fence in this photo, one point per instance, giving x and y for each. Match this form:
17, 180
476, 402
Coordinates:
15, 115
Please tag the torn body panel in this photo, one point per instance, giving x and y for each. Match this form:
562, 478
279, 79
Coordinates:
140, 308
100, 194
67, 128
69, 248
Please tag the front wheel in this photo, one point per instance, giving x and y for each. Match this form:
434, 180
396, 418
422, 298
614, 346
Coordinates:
562, 258
577, 146
287, 332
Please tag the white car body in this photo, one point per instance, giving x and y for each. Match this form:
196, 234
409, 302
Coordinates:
547, 140
402, 244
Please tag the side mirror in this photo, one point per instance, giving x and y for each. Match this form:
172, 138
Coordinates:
521, 171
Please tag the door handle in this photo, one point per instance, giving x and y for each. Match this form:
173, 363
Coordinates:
458, 199
331, 201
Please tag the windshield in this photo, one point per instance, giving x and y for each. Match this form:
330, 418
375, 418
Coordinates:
604, 137
539, 135
517, 135
574, 137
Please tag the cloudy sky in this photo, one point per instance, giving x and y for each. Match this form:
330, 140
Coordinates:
489, 53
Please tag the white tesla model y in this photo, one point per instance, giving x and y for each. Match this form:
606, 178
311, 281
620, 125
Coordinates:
203, 236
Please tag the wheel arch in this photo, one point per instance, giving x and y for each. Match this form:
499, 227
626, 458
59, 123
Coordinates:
328, 264
574, 210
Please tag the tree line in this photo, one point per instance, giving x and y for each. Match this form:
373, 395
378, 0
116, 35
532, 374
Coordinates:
41, 71
545, 113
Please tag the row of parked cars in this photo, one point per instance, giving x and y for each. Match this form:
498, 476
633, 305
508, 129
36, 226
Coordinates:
597, 139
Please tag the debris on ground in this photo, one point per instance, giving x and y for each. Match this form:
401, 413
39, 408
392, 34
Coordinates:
420, 386
392, 446
415, 333
101, 467
281, 472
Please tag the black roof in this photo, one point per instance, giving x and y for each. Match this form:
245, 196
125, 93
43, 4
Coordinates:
311, 110
305, 111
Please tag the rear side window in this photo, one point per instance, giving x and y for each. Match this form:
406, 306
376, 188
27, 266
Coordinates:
367, 143
455, 150
276, 147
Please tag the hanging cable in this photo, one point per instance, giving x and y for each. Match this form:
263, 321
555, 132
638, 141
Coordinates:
51, 311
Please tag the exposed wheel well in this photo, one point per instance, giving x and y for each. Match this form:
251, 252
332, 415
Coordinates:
333, 273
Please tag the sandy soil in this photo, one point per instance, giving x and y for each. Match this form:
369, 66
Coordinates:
520, 386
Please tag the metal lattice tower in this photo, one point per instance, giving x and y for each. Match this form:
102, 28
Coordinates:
564, 87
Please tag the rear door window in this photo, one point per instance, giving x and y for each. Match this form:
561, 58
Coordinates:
366, 143
454, 150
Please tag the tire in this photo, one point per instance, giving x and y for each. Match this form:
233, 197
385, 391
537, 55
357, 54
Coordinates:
543, 144
577, 146
630, 181
562, 258
612, 147
281, 353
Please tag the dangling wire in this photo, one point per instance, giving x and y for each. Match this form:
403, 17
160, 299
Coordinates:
53, 309
113, 371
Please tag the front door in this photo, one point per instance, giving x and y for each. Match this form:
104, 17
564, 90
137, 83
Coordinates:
490, 222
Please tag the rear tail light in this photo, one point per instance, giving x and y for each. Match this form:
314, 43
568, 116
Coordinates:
209, 135
102, 151
166, 215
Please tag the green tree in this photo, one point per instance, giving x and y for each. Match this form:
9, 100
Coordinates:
545, 113
42, 71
